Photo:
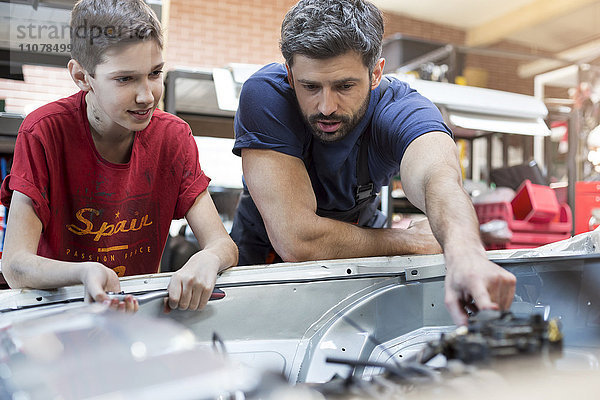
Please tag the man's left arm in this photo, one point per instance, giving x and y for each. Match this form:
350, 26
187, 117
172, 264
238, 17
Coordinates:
432, 181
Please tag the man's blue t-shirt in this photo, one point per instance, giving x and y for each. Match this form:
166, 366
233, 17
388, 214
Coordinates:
269, 117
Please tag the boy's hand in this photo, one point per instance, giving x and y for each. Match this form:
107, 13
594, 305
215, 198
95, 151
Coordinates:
190, 288
99, 279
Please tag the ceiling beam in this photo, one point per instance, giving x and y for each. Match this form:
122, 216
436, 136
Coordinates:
581, 54
534, 13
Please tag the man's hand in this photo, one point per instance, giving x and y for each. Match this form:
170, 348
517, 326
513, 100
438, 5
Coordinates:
419, 238
476, 282
99, 279
190, 288
434, 184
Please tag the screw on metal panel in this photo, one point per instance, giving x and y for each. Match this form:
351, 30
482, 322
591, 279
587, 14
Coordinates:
589, 303
414, 272
39, 298
348, 271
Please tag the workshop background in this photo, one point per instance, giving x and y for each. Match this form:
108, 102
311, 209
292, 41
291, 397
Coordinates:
202, 33
518, 82
548, 50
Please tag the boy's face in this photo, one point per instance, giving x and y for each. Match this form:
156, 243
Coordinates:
333, 93
126, 88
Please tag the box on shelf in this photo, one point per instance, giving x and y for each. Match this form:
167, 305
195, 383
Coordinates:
535, 203
587, 206
534, 217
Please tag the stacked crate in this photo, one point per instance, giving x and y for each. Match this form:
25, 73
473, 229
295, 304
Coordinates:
534, 217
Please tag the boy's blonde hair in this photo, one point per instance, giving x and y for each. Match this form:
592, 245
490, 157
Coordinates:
98, 25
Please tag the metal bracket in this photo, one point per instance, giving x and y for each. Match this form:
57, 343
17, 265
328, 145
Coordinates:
425, 272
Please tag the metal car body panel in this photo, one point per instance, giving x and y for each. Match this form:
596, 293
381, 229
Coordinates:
289, 318
85, 351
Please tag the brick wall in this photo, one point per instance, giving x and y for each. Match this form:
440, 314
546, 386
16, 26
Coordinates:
502, 69
206, 34
395, 23
501, 73
213, 33
41, 85
201, 33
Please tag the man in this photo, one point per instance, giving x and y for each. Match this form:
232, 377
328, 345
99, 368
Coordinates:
320, 136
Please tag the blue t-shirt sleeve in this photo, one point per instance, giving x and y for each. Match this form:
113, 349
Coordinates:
405, 116
267, 115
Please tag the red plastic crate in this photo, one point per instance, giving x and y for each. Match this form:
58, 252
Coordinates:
527, 245
503, 211
513, 246
528, 240
539, 238
587, 200
526, 235
535, 203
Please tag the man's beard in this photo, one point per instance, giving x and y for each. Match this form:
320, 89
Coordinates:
347, 123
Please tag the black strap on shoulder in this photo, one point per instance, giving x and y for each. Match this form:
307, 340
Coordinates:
363, 178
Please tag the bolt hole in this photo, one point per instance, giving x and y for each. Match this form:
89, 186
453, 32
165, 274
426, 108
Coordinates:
39, 298
348, 271
294, 290
432, 305
400, 355
343, 349
414, 272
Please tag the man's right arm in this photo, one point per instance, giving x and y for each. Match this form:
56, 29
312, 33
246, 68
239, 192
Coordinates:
22, 267
282, 192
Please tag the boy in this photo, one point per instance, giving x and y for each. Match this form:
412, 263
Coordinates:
97, 177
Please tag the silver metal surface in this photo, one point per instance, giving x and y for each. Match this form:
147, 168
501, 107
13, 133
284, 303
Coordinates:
289, 318
92, 352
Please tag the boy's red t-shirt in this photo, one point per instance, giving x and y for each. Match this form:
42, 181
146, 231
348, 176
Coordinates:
92, 209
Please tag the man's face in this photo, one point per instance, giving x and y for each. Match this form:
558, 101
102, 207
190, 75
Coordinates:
333, 93
126, 88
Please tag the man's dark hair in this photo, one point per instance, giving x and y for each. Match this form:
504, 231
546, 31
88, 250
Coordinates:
98, 25
328, 28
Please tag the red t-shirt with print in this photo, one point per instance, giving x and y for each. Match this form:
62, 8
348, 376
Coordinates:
95, 210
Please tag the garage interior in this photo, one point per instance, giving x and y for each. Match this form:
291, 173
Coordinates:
545, 49
517, 81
